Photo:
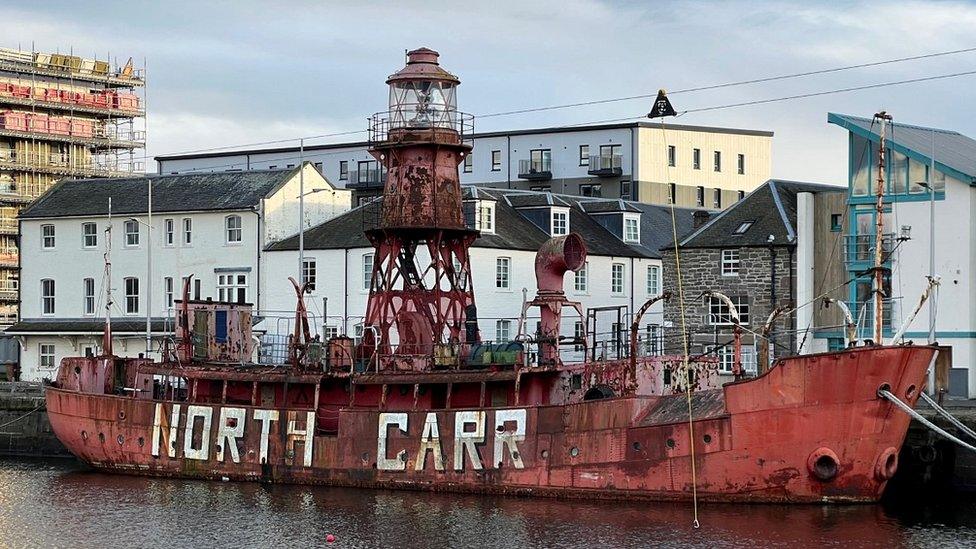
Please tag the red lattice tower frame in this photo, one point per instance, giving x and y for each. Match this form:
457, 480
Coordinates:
418, 307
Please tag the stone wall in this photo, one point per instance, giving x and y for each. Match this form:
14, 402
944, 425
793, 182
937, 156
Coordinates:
701, 271
24, 427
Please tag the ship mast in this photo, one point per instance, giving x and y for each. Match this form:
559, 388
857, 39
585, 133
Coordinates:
884, 117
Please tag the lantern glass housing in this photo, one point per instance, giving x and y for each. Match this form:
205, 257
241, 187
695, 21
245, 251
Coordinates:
423, 104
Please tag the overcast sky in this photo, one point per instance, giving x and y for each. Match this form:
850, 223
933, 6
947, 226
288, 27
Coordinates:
223, 73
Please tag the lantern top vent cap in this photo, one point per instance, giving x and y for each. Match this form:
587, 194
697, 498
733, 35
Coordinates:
422, 65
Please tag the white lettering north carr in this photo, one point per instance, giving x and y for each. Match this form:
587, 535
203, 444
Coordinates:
469, 433
198, 432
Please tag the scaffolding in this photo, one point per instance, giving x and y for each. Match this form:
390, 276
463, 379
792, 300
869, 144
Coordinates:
61, 116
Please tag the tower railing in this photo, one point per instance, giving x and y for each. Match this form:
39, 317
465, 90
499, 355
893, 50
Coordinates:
441, 126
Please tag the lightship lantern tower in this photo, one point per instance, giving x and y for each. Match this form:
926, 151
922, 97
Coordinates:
421, 301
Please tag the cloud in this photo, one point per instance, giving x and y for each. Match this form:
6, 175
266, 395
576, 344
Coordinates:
239, 72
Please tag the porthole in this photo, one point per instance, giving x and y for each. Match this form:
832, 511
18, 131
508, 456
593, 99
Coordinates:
637, 446
84, 435
121, 414
120, 439
142, 442
670, 443
707, 439
101, 437
910, 392
545, 454
574, 451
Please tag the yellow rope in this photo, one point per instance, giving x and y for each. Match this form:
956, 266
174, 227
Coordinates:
684, 340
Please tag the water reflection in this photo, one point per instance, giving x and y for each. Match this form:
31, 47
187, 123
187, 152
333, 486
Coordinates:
59, 504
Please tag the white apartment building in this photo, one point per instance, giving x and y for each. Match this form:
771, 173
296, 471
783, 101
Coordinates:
211, 226
909, 221
623, 268
694, 166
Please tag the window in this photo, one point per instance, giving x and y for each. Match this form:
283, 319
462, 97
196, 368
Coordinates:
187, 231
46, 356
232, 287
89, 233
343, 170
47, 237
584, 157
580, 278
367, 270
88, 289
579, 332
468, 163
196, 289
273, 167
700, 197
290, 166
835, 222
717, 199
131, 295
308, 273
631, 228
560, 223
718, 161
485, 221
742, 164
318, 167
654, 340
132, 233
594, 189
672, 192
368, 172
540, 160
617, 278
331, 332
719, 314
743, 227
169, 230
625, 190
730, 262
232, 224
503, 330
742, 194
168, 292
696, 159
653, 280
496, 161
672, 155
502, 272
47, 296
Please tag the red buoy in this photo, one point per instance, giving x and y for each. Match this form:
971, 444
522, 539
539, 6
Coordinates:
330, 538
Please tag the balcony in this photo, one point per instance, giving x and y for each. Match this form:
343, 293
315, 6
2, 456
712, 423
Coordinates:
366, 179
859, 249
606, 165
535, 169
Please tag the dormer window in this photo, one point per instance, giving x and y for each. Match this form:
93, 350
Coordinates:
743, 227
485, 216
631, 228
560, 222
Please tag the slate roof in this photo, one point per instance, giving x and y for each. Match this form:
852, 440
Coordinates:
513, 230
772, 210
86, 326
171, 193
952, 149
607, 206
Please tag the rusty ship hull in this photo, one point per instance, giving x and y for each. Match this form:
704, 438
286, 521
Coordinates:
811, 429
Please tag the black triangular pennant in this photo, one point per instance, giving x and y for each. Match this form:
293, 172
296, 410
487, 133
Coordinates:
662, 106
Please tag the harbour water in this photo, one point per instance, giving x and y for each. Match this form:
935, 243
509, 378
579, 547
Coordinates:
59, 503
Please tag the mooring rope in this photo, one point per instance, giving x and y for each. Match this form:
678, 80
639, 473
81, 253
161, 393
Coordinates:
15, 420
908, 410
684, 336
952, 419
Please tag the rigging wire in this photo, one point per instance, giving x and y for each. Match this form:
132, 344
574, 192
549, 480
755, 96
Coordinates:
684, 339
646, 96
729, 84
